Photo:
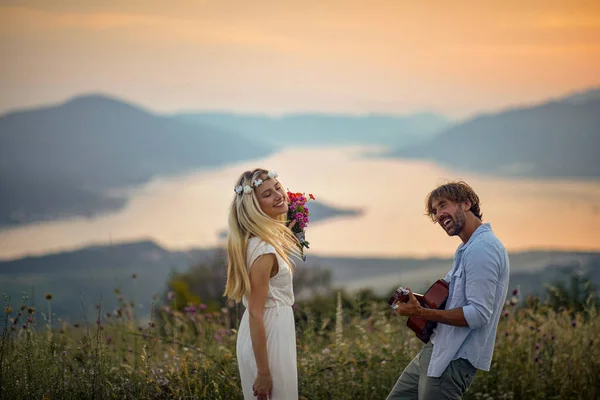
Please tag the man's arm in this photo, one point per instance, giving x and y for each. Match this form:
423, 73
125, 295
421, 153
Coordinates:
412, 308
482, 269
482, 275
455, 317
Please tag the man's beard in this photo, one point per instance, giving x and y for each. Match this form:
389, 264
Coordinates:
458, 220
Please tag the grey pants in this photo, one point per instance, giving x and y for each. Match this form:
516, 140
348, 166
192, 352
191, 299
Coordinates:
415, 384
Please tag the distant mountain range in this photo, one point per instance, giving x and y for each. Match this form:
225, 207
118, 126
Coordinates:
58, 161
83, 278
557, 139
326, 129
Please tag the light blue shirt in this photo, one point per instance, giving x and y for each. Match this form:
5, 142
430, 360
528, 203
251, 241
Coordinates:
479, 284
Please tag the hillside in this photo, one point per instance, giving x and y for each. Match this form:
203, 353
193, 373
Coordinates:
83, 278
558, 139
59, 161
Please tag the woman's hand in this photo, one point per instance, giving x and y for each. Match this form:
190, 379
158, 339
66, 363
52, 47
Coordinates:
263, 387
291, 224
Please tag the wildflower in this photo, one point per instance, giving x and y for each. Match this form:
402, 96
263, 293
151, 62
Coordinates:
31, 310
537, 346
574, 323
48, 296
190, 309
515, 292
203, 306
24, 326
506, 313
505, 333
170, 295
8, 310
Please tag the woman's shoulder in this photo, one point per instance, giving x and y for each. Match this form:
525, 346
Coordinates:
257, 243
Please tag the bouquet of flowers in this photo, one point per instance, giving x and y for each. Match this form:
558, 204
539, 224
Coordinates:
298, 211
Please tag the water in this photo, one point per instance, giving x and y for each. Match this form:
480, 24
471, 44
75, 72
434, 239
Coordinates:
190, 211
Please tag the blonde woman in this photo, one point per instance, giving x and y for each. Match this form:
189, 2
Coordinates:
259, 273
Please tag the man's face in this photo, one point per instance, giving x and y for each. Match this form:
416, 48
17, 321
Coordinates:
450, 215
271, 198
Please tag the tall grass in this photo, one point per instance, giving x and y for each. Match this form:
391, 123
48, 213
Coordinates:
345, 352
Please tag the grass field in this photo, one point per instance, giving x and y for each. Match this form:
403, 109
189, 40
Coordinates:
348, 348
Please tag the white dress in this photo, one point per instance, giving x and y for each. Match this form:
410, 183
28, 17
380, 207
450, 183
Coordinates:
279, 328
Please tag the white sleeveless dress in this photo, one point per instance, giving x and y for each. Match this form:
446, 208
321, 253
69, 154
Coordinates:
279, 328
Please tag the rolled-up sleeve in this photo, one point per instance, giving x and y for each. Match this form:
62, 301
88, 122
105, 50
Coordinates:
482, 269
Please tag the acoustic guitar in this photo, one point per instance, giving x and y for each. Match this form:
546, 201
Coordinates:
435, 298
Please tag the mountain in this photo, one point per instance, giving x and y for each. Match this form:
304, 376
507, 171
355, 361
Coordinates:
80, 279
557, 139
581, 96
326, 129
59, 161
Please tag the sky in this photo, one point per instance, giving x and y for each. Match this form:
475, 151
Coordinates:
457, 58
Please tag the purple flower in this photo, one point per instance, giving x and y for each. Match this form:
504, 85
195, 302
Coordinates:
537, 346
190, 309
170, 295
515, 292
505, 333
574, 323
203, 306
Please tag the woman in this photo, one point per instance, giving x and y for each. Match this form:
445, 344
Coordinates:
259, 274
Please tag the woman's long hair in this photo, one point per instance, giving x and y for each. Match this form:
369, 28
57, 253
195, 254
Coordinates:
246, 220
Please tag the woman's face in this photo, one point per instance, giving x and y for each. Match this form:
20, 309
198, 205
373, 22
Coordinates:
271, 198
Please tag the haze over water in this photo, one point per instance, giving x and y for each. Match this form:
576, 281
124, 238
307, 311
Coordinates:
190, 211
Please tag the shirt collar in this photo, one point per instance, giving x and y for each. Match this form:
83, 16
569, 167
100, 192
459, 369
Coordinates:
485, 227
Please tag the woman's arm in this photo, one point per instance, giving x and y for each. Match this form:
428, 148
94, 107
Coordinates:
259, 288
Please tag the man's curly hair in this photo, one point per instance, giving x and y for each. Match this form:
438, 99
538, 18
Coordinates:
458, 192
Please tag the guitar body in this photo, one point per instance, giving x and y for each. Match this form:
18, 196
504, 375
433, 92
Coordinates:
435, 298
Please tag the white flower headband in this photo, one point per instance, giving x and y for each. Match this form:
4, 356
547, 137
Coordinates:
248, 189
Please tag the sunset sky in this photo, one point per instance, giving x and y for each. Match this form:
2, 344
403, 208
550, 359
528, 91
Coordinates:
453, 57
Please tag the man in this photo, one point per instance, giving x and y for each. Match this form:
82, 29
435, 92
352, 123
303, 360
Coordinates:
463, 341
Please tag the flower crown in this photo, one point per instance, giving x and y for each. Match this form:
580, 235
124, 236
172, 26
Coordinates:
248, 189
